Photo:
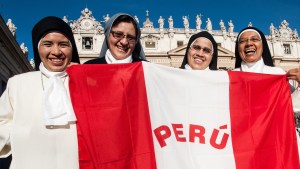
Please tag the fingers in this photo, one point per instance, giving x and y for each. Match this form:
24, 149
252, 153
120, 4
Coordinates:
291, 77
294, 71
294, 74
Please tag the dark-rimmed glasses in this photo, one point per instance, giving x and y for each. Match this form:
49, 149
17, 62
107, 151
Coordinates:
120, 35
198, 48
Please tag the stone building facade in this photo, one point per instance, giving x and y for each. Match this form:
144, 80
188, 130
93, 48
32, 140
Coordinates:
13, 58
166, 45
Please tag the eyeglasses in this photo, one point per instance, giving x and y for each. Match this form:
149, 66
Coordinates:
198, 48
120, 35
252, 39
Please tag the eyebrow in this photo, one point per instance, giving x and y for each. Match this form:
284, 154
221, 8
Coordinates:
253, 36
203, 46
62, 41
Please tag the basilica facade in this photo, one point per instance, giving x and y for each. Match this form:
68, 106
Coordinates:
166, 44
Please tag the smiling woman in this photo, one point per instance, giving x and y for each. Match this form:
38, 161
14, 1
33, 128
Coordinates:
250, 46
43, 29
122, 41
55, 51
35, 109
253, 55
201, 52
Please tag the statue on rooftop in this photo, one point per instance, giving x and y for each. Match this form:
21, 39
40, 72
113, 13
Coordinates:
161, 22
230, 26
106, 18
170, 20
185, 22
208, 25
198, 22
11, 27
222, 26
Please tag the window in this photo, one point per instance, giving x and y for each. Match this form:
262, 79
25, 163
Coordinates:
287, 48
87, 42
179, 43
150, 44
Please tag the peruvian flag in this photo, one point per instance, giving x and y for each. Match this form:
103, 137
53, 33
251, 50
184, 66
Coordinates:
147, 116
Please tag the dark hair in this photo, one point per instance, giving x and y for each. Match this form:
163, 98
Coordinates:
127, 19
213, 65
266, 54
52, 24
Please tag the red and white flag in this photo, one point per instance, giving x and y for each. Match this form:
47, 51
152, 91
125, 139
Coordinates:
148, 116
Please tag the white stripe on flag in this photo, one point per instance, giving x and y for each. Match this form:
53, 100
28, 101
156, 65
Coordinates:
184, 122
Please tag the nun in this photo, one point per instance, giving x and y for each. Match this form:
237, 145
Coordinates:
37, 121
122, 41
201, 53
252, 54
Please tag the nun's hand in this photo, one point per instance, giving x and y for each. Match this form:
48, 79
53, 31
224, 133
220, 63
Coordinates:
294, 74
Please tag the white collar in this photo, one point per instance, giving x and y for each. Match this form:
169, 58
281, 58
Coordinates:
256, 67
188, 67
56, 103
110, 59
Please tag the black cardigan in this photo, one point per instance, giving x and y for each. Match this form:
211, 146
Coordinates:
103, 61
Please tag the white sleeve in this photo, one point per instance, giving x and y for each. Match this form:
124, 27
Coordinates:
6, 115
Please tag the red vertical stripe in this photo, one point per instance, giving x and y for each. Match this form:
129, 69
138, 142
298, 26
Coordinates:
262, 122
114, 129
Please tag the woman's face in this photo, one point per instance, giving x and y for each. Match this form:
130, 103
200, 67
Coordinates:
250, 47
200, 54
122, 40
55, 51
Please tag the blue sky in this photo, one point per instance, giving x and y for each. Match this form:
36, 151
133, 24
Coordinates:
261, 13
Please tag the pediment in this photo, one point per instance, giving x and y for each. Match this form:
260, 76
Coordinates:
178, 51
150, 37
224, 52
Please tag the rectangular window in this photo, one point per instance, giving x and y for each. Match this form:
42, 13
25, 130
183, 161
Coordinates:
223, 68
179, 43
150, 44
87, 43
287, 48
